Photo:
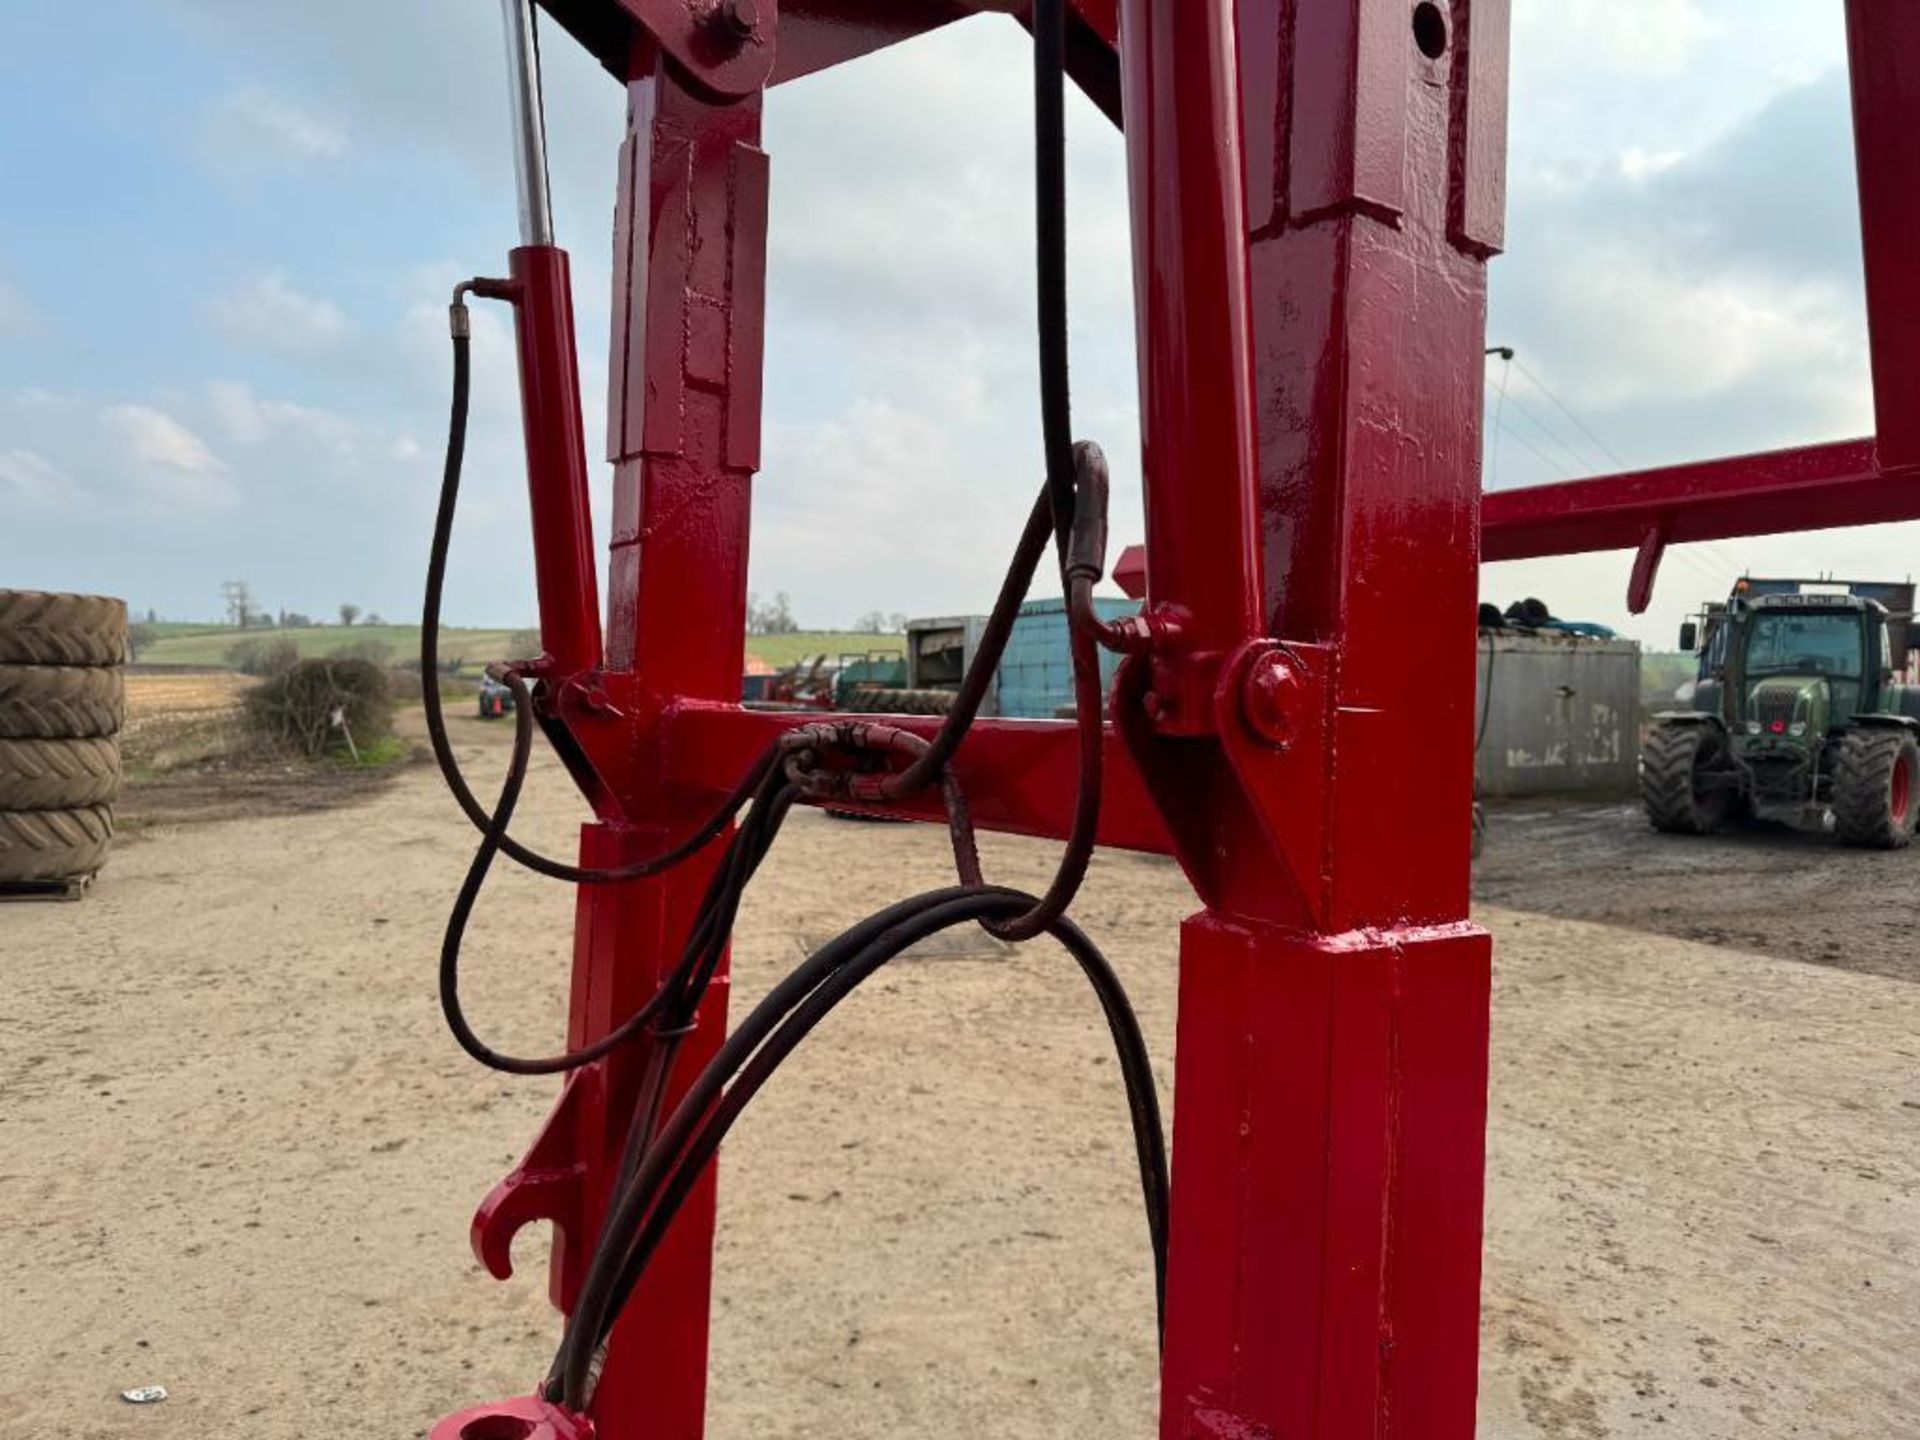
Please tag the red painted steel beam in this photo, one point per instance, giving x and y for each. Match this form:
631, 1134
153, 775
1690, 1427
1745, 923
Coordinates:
1883, 47
1816, 488
684, 438
1813, 488
1019, 774
807, 36
818, 34
1330, 1078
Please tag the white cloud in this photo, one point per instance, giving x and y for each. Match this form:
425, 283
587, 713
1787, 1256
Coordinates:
267, 311
247, 419
28, 479
1638, 164
170, 464
1632, 37
1672, 333
252, 130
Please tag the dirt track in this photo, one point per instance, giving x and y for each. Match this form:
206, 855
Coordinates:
1793, 894
238, 1155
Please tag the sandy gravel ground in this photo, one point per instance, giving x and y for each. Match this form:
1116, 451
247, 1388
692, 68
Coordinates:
238, 1156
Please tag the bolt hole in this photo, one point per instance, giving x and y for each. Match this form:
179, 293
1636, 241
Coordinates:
1430, 29
497, 1427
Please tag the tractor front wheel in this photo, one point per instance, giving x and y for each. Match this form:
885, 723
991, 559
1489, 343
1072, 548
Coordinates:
1876, 788
1675, 784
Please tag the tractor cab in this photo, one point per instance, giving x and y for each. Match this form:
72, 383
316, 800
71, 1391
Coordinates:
1794, 661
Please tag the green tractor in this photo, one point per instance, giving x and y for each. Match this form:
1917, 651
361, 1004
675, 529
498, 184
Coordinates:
1803, 707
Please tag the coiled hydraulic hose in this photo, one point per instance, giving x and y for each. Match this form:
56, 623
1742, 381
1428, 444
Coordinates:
645, 1209
661, 1164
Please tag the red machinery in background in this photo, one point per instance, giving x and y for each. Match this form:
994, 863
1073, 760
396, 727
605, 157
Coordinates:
1316, 189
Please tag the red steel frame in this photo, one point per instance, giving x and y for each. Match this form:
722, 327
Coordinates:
1315, 195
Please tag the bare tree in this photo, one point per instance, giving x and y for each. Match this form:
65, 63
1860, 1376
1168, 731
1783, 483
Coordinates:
349, 614
771, 617
897, 623
874, 622
239, 597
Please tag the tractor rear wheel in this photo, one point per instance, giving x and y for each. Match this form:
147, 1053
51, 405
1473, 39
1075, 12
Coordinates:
1673, 770
1876, 788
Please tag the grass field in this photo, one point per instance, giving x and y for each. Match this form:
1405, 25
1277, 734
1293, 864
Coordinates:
209, 644
187, 644
779, 650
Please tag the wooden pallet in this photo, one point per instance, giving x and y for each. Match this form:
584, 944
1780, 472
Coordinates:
70, 889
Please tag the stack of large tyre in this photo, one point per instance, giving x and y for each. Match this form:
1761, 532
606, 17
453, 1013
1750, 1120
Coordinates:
62, 699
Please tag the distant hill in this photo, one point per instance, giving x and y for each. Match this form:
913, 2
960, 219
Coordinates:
179, 643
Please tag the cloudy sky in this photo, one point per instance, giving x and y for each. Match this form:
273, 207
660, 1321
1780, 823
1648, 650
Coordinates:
231, 229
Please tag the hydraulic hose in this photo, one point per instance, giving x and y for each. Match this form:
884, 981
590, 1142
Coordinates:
1050, 255
431, 700
662, 1162
687, 1142
674, 1001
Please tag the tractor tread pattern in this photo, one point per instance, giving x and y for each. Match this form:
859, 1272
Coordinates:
54, 702
1863, 788
38, 845
58, 774
901, 702
41, 628
1666, 780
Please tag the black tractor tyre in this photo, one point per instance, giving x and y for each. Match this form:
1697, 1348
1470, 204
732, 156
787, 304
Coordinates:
60, 702
906, 702
1671, 765
1876, 788
38, 628
38, 845
58, 774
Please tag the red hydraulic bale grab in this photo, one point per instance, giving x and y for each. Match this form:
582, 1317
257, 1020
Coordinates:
1315, 193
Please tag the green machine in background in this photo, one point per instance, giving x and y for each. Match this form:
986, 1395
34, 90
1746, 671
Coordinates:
1804, 705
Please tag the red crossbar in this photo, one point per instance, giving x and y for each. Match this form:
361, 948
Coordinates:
1815, 488
1019, 774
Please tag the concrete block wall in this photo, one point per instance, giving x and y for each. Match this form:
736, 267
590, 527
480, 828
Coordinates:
1562, 716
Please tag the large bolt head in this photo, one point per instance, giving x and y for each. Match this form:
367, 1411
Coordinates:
1271, 699
738, 19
